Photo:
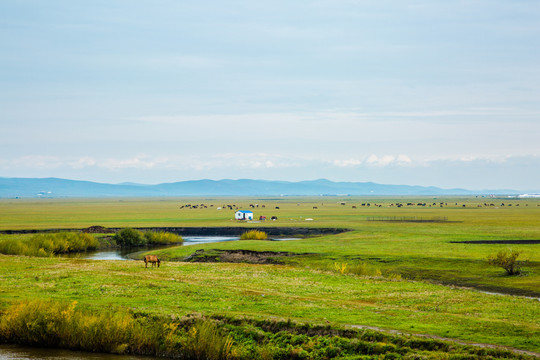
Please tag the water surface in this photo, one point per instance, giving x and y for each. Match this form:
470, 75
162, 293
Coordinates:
14, 352
123, 254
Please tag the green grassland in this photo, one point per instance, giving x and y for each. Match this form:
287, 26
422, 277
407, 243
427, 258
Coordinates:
412, 279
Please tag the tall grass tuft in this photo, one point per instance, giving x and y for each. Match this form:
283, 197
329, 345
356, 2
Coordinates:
162, 237
205, 341
44, 245
62, 325
254, 235
360, 269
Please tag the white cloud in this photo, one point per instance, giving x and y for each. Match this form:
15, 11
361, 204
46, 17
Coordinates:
32, 162
380, 160
386, 160
347, 162
82, 162
138, 162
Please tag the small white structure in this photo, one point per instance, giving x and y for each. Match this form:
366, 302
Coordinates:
243, 215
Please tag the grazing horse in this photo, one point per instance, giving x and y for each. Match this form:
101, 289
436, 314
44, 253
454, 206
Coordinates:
151, 259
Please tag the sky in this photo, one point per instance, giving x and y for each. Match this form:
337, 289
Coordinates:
434, 93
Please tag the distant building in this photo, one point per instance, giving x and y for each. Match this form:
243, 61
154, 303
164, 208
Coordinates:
243, 215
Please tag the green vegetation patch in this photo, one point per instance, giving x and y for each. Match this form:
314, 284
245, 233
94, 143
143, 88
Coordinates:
384, 274
120, 331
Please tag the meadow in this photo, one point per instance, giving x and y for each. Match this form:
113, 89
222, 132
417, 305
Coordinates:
398, 268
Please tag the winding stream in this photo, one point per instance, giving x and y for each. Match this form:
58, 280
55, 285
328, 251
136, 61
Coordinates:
123, 254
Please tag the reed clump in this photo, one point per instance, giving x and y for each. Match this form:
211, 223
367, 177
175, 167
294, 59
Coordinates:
129, 237
64, 325
254, 235
49, 244
52, 324
162, 237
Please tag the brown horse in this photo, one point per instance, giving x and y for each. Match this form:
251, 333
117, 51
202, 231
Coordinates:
151, 259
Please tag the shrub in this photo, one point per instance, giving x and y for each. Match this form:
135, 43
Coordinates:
162, 237
254, 235
129, 237
507, 259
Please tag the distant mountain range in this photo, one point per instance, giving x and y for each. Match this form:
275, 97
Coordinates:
58, 188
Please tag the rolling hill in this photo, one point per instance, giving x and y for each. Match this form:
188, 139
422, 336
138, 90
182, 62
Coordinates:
55, 187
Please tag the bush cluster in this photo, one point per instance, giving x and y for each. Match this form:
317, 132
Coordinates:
49, 244
507, 259
129, 237
254, 235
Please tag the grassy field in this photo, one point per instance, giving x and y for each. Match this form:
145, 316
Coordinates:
405, 265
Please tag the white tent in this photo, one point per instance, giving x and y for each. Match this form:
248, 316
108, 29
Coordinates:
243, 215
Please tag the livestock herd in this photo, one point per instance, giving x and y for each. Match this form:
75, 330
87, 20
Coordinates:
365, 204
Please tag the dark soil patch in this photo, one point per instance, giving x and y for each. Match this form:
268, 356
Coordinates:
239, 256
96, 229
509, 242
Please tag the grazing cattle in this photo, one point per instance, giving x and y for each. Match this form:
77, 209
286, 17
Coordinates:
277, 207
315, 207
274, 218
153, 259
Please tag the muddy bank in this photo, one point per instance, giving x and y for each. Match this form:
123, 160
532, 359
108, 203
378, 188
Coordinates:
237, 231
204, 231
239, 256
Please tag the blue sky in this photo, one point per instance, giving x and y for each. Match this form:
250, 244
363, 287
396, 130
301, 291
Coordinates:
443, 93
